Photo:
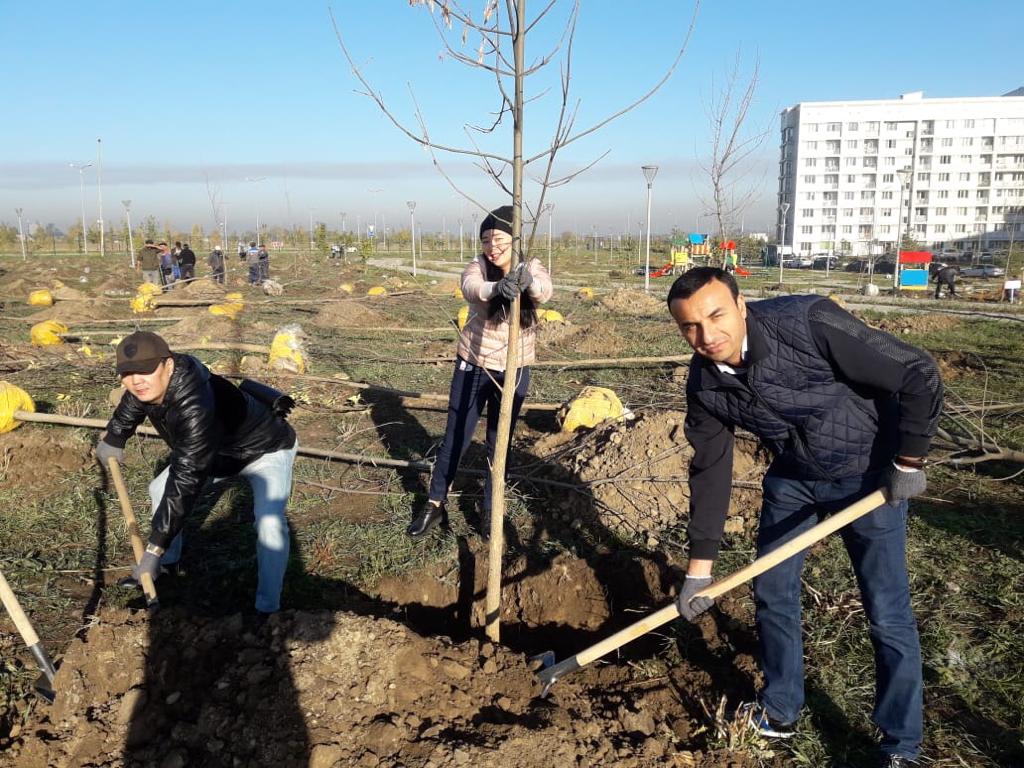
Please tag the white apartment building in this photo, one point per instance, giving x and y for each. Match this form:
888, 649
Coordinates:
955, 167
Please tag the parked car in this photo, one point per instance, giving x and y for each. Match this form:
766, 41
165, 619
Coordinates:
857, 265
804, 262
642, 270
824, 261
985, 270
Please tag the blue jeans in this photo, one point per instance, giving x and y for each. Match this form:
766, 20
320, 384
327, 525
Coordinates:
270, 477
472, 389
876, 544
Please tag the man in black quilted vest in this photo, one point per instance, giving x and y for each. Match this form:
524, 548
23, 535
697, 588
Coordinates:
844, 410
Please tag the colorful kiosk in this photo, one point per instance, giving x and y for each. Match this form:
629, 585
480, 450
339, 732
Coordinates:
912, 270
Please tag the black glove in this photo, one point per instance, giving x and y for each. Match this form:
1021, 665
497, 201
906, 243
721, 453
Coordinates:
689, 608
900, 484
508, 287
105, 452
525, 277
150, 563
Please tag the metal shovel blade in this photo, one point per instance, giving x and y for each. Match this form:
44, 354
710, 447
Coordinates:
43, 686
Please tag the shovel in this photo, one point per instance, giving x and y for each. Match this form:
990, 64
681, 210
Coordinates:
43, 687
550, 672
148, 587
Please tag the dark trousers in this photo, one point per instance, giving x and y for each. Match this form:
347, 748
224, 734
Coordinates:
188, 271
938, 289
472, 389
876, 544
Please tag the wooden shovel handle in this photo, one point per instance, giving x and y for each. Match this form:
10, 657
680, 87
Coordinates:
10, 601
138, 548
717, 588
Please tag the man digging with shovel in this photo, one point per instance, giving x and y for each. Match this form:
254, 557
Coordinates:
845, 410
215, 431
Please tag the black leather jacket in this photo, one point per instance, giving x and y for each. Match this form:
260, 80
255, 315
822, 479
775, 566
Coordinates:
213, 429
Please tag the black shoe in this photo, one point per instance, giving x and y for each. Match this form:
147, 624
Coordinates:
897, 761
427, 518
763, 725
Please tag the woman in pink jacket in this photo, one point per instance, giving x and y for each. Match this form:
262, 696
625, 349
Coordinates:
489, 284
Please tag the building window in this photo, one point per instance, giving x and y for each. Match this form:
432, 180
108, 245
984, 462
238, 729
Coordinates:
940, 228
968, 123
961, 211
810, 162
829, 212
809, 195
947, 142
807, 212
851, 161
872, 126
963, 194
940, 211
944, 159
886, 213
942, 194
849, 195
810, 127
965, 159
810, 145
964, 177
847, 212
885, 229
919, 228
959, 227
890, 143
967, 141
943, 177
805, 230
890, 126
810, 179
870, 162
867, 195
887, 195
921, 212
831, 179
851, 144
866, 211
951, 124
834, 127
847, 229
852, 126
925, 177
887, 178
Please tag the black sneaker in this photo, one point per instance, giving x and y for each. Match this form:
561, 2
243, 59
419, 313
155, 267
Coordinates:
429, 516
897, 761
762, 724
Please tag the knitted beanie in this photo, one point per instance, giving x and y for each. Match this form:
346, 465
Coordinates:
499, 218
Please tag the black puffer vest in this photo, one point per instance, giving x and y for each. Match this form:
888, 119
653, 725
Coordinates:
817, 428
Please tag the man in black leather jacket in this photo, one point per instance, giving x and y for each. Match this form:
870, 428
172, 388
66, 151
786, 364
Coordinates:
215, 431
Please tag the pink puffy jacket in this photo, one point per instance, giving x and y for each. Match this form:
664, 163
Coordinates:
485, 343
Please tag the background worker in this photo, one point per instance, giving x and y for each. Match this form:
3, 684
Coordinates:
489, 283
844, 410
215, 431
149, 263
252, 261
187, 262
946, 276
216, 262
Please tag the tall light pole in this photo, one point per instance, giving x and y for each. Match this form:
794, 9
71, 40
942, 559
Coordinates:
311, 229
131, 242
343, 221
256, 180
81, 183
550, 207
461, 244
412, 232
99, 189
21, 234
476, 233
224, 223
904, 175
374, 191
782, 249
384, 231
650, 171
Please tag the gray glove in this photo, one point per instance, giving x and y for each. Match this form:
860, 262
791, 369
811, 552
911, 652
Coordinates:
105, 451
525, 277
689, 608
150, 564
900, 485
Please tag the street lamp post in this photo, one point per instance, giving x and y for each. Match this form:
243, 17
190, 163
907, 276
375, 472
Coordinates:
131, 242
255, 180
21, 234
782, 249
374, 192
550, 207
311, 229
462, 250
904, 176
650, 171
81, 183
412, 232
99, 189
476, 233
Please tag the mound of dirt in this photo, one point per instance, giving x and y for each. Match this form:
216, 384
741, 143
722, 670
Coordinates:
923, 323
71, 312
201, 288
626, 301
342, 313
549, 334
329, 690
636, 473
214, 328
601, 339
37, 459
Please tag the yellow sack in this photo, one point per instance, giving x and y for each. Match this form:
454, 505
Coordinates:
149, 289
550, 316
463, 316
41, 298
143, 302
346, 288
47, 333
286, 352
591, 407
585, 293
457, 293
13, 399
230, 308
377, 291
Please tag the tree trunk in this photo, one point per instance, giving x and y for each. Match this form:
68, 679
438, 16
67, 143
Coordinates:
508, 390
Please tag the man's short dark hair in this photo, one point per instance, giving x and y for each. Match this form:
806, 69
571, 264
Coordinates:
148, 242
692, 281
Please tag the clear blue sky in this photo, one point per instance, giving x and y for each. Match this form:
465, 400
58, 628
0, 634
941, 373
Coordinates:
190, 91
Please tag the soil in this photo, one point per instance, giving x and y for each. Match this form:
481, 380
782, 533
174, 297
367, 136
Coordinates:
37, 460
626, 301
342, 313
636, 471
903, 324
